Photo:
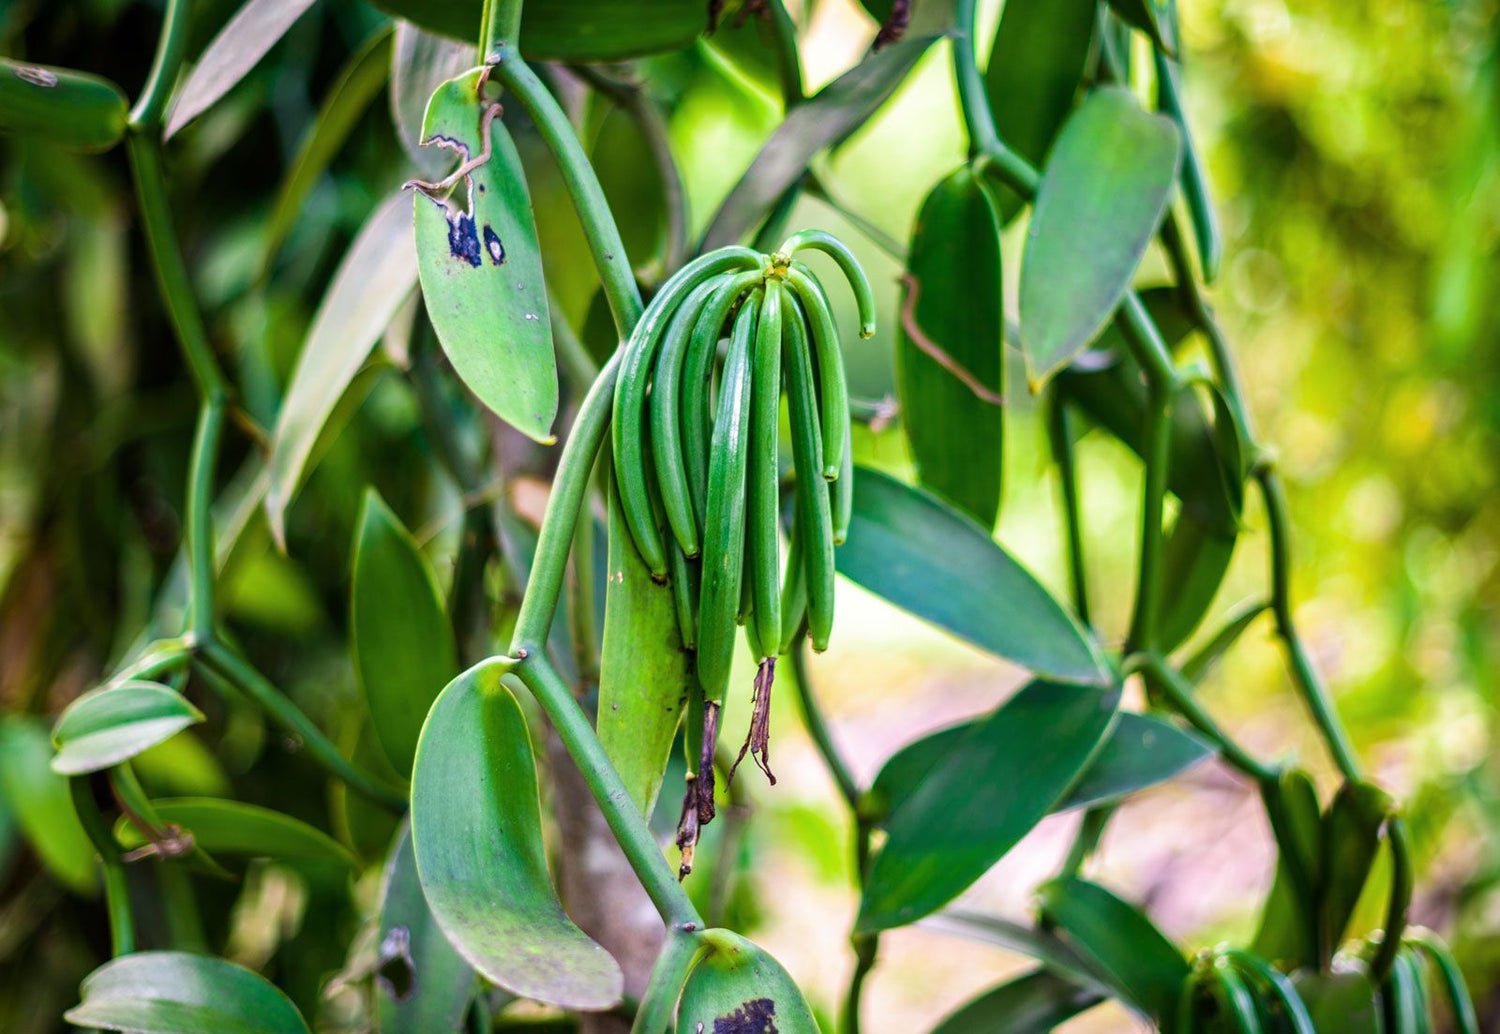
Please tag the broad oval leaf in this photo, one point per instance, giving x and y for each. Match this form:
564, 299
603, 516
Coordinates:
1102, 195
950, 346
374, 279
644, 671
1033, 1003
42, 805
824, 120
1197, 559
239, 46
480, 266
1351, 840
420, 63
913, 550
736, 986
357, 85
228, 827
1140, 751
175, 992
106, 726
1035, 70
421, 983
403, 644
1147, 969
996, 783
477, 830
571, 30
1290, 934
71, 108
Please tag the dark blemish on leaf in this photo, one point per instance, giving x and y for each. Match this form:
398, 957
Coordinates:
397, 973
481, 188
463, 239
492, 244
757, 1016
36, 76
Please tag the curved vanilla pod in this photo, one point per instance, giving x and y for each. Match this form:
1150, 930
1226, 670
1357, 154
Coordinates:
814, 520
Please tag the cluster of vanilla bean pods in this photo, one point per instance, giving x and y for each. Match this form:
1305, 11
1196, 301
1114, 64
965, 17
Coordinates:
696, 445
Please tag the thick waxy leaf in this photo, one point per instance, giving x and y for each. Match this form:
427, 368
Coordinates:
42, 806
229, 827
238, 47
1151, 18
420, 63
174, 992
978, 801
950, 343
107, 726
1344, 1001
931, 561
71, 108
738, 987
371, 284
481, 268
644, 673
404, 650
491, 893
422, 985
1033, 1003
346, 102
571, 30
1119, 939
1034, 73
1140, 751
1289, 933
1197, 559
824, 120
1032, 942
1102, 195
1351, 840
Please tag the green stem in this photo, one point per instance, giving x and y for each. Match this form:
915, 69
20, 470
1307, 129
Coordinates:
499, 30
583, 629
817, 728
1158, 446
152, 103
866, 950
200, 517
1086, 840
1400, 900
171, 272
583, 186
659, 1003
116, 888
974, 101
627, 824
1177, 691
1060, 437
242, 676
788, 59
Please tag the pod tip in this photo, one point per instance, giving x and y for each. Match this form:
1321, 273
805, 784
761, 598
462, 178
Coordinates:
831, 472
867, 331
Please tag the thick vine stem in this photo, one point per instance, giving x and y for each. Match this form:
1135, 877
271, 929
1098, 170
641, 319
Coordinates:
116, 890
242, 676
1060, 439
200, 530
1154, 492
147, 114
1179, 693
659, 1003
627, 824
499, 27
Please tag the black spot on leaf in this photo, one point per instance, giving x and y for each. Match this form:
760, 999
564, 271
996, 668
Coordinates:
493, 246
757, 1016
463, 239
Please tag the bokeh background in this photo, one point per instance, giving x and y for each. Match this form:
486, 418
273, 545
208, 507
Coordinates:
1354, 151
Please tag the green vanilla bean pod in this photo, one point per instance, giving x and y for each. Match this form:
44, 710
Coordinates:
1187, 1002
843, 492
695, 421
1277, 985
822, 240
814, 519
1426, 943
763, 492
671, 479
793, 589
685, 587
835, 388
1235, 997
628, 426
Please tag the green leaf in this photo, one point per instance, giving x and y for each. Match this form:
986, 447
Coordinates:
1035, 70
1033, 1003
71, 108
356, 87
571, 30
1342, 1001
492, 894
910, 548
1197, 559
738, 987
1117, 937
481, 269
644, 672
1351, 840
372, 282
1032, 942
1288, 934
112, 724
1140, 751
421, 984
43, 806
1151, 18
403, 644
222, 826
174, 992
420, 63
952, 308
1101, 198
824, 120
997, 782
239, 46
